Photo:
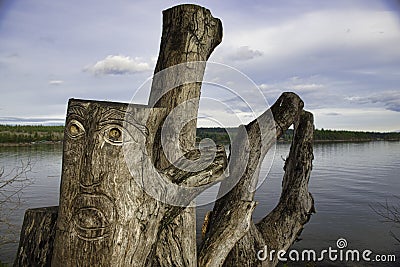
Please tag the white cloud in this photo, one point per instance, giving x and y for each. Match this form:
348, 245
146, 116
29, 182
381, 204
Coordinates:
244, 53
56, 82
307, 87
118, 65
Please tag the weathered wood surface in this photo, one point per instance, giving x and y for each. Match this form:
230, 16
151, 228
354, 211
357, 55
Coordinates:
280, 228
190, 34
100, 202
116, 157
253, 237
250, 140
37, 237
283, 225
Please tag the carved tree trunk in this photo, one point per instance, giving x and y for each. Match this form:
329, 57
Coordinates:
190, 34
115, 209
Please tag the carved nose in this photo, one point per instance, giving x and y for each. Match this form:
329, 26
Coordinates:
90, 174
88, 179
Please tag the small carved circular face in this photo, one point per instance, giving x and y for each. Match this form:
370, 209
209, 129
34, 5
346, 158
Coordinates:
75, 129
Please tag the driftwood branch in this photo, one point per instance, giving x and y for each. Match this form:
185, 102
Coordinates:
279, 229
284, 224
276, 120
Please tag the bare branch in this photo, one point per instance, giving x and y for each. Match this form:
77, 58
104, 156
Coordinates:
11, 186
389, 214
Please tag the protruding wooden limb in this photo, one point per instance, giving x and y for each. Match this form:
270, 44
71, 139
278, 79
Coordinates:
209, 174
37, 237
279, 229
251, 143
282, 226
190, 34
230, 228
197, 182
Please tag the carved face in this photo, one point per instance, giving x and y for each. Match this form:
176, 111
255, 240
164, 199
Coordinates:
99, 203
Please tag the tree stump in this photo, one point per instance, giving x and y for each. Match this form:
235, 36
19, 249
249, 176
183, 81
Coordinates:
37, 237
128, 184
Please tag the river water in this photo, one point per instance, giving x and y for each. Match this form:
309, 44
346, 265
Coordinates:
347, 180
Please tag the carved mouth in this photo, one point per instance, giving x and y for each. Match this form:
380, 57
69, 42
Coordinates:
93, 216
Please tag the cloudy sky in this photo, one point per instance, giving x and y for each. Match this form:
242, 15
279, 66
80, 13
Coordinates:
341, 57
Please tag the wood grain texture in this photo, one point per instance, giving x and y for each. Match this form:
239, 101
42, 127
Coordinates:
281, 227
105, 217
37, 237
252, 145
190, 34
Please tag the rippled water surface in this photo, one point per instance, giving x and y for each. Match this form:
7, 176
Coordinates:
347, 179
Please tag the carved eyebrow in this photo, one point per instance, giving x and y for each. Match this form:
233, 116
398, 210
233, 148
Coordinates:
114, 114
77, 109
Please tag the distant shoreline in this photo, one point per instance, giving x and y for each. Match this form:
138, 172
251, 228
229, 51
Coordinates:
31, 144
279, 142
36, 135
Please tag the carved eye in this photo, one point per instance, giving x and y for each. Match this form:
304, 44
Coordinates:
113, 135
75, 129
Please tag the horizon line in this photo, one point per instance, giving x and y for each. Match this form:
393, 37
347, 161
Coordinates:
57, 122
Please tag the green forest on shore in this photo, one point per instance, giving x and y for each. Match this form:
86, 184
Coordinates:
220, 135
28, 134
20, 134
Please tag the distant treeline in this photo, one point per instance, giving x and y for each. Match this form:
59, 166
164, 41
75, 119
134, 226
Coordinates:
334, 135
31, 134
220, 135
